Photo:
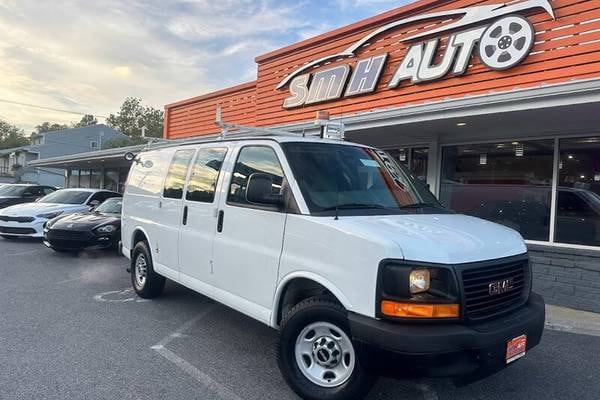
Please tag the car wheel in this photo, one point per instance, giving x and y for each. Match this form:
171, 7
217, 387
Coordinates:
316, 355
146, 283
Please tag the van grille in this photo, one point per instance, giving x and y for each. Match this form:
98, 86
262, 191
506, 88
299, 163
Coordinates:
492, 290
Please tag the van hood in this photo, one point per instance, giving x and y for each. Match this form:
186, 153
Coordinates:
33, 209
439, 238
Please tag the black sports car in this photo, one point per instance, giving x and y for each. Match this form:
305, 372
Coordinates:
99, 228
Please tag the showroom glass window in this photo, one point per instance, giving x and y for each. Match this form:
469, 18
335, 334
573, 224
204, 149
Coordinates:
415, 159
578, 198
73, 179
509, 183
84, 178
96, 179
111, 179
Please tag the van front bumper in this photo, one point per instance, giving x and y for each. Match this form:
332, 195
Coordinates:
470, 352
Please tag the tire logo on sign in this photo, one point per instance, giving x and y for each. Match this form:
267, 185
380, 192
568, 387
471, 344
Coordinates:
502, 37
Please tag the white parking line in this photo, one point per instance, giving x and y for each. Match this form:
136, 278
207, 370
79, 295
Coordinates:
118, 296
204, 379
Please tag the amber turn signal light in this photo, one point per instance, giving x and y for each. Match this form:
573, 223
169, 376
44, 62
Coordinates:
414, 310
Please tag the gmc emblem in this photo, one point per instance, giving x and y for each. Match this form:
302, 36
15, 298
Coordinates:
499, 287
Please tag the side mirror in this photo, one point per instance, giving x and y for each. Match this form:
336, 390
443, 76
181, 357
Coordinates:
260, 190
93, 204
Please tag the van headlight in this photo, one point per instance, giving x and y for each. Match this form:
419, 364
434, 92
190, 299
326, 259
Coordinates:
411, 290
419, 280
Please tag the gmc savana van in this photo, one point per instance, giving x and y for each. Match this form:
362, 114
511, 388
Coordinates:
338, 247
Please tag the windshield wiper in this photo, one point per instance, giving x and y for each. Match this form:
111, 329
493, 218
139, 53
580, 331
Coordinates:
357, 206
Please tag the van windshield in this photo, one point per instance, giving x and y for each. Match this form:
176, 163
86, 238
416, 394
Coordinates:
353, 180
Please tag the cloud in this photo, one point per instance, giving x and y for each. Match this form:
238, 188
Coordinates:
88, 56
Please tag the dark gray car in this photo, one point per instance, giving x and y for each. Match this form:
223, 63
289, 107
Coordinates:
12, 194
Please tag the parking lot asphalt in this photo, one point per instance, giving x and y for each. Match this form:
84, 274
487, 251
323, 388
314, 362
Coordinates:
71, 328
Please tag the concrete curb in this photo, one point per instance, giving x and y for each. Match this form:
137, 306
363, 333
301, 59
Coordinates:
573, 321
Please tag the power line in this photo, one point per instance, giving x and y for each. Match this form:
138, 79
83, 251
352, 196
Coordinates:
47, 108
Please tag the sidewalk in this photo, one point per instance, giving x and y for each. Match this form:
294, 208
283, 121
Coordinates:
573, 321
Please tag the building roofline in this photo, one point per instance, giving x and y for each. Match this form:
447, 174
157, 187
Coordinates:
363, 24
26, 148
78, 127
90, 155
210, 95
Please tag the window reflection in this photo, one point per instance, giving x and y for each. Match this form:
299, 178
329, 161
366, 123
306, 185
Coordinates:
175, 180
578, 200
509, 183
203, 181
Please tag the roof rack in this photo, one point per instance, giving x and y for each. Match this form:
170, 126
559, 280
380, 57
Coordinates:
227, 128
328, 130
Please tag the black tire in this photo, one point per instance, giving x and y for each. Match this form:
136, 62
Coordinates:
317, 309
153, 284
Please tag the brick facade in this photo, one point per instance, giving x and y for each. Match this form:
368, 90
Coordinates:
567, 277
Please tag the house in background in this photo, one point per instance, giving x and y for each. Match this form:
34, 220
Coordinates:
14, 163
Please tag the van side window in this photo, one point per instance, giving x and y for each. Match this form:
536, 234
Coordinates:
253, 159
176, 176
205, 174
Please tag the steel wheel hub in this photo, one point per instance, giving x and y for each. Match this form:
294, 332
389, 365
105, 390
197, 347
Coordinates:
140, 270
325, 354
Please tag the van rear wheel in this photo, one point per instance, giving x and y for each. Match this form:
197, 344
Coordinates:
316, 355
146, 283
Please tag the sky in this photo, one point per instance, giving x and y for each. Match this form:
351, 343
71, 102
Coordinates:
87, 56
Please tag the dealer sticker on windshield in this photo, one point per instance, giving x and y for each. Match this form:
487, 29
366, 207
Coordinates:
515, 348
369, 163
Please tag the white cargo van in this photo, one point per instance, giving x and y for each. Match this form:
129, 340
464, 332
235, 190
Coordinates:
334, 244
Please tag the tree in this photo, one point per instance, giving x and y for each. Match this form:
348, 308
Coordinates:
49, 127
133, 115
86, 120
11, 136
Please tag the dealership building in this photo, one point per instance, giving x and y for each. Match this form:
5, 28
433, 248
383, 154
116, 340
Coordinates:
496, 106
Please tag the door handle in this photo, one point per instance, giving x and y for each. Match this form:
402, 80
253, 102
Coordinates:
185, 215
220, 221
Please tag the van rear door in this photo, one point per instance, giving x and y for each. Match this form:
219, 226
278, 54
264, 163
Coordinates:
199, 220
170, 214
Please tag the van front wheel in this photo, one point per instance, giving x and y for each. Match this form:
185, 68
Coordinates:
316, 355
146, 283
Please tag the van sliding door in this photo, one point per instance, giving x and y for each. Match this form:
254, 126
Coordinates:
198, 224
